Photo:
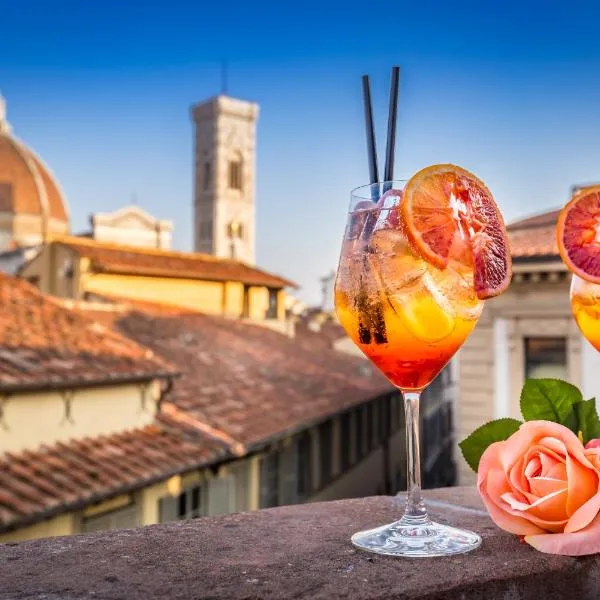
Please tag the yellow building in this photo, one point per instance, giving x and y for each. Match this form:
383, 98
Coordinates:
79, 268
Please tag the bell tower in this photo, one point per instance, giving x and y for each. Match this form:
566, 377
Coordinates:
224, 181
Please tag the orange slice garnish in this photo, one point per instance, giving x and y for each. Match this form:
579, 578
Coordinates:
450, 213
578, 234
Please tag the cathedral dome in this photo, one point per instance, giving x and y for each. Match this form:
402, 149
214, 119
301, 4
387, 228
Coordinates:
32, 205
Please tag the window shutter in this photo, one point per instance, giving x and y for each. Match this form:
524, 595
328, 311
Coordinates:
220, 495
288, 462
167, 509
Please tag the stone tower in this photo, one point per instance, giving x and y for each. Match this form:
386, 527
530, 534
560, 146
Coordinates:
225, 142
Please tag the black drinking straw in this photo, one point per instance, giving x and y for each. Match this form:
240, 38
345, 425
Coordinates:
388, 175
371, 150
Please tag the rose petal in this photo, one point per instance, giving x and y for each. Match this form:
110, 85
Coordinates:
491, 477
582, 483
553, 464
593, 455
542, 486
549, 512
563, 442
585, 541
583, 516
534, 467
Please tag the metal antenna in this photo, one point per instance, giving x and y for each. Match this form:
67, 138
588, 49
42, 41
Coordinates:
224, 77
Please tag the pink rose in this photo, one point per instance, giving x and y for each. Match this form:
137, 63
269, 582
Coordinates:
542, 484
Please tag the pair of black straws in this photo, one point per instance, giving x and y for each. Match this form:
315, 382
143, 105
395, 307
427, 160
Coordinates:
388, 174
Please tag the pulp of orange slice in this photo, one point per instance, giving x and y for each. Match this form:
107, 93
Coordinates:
448, 213
578, 234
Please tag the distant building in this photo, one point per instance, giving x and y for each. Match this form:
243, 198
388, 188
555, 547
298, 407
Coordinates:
224, 180
81, 269
32, 203
528, 331
131, 226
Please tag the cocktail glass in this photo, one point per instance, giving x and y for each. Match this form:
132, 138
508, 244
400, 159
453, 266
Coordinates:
585, 306
409, 318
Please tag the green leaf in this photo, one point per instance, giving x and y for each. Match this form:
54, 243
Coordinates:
550, 400
475, 445
587, 419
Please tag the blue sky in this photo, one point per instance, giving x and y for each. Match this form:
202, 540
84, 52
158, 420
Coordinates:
103, 94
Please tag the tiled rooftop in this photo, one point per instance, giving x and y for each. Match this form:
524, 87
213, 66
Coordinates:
44, 344
113, 258
534, 236
318, 330
66, 476
249, 382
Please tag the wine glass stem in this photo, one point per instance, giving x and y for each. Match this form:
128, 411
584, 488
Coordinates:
415, 513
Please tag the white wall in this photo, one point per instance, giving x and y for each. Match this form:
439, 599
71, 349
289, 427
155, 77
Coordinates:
501, 369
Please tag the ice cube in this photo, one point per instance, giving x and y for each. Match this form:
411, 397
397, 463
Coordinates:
453, 289
393, 261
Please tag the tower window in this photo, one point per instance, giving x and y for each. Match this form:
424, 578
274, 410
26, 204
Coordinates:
207, 173
235, 230
235, 174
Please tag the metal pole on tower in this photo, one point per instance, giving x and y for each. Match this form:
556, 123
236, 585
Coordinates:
224, 77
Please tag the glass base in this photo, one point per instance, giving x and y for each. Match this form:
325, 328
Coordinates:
419, 541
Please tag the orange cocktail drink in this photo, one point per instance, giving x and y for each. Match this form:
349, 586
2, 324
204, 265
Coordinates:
578, 239
406, 315
415, 268
585, 305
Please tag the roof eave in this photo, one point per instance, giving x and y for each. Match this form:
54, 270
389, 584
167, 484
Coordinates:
66, 384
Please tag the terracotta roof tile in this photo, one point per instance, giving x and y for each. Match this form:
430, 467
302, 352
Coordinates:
36, 485
247, 381
534, 236
42, 344
113, 258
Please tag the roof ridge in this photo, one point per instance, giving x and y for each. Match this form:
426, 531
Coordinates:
523, 220
71, 240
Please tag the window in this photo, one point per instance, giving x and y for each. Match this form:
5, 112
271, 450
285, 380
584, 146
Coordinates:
187, 505
272, 310
375, 406
206, 179
325, 443
345, 434
546, 357
368, 412
359, 435
269, 480
304, 465
235, 174
235, 230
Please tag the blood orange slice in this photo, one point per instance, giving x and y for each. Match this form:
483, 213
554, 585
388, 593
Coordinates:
578, 234
449, 213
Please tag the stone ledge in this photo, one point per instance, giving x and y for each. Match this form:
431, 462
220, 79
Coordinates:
290, 552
